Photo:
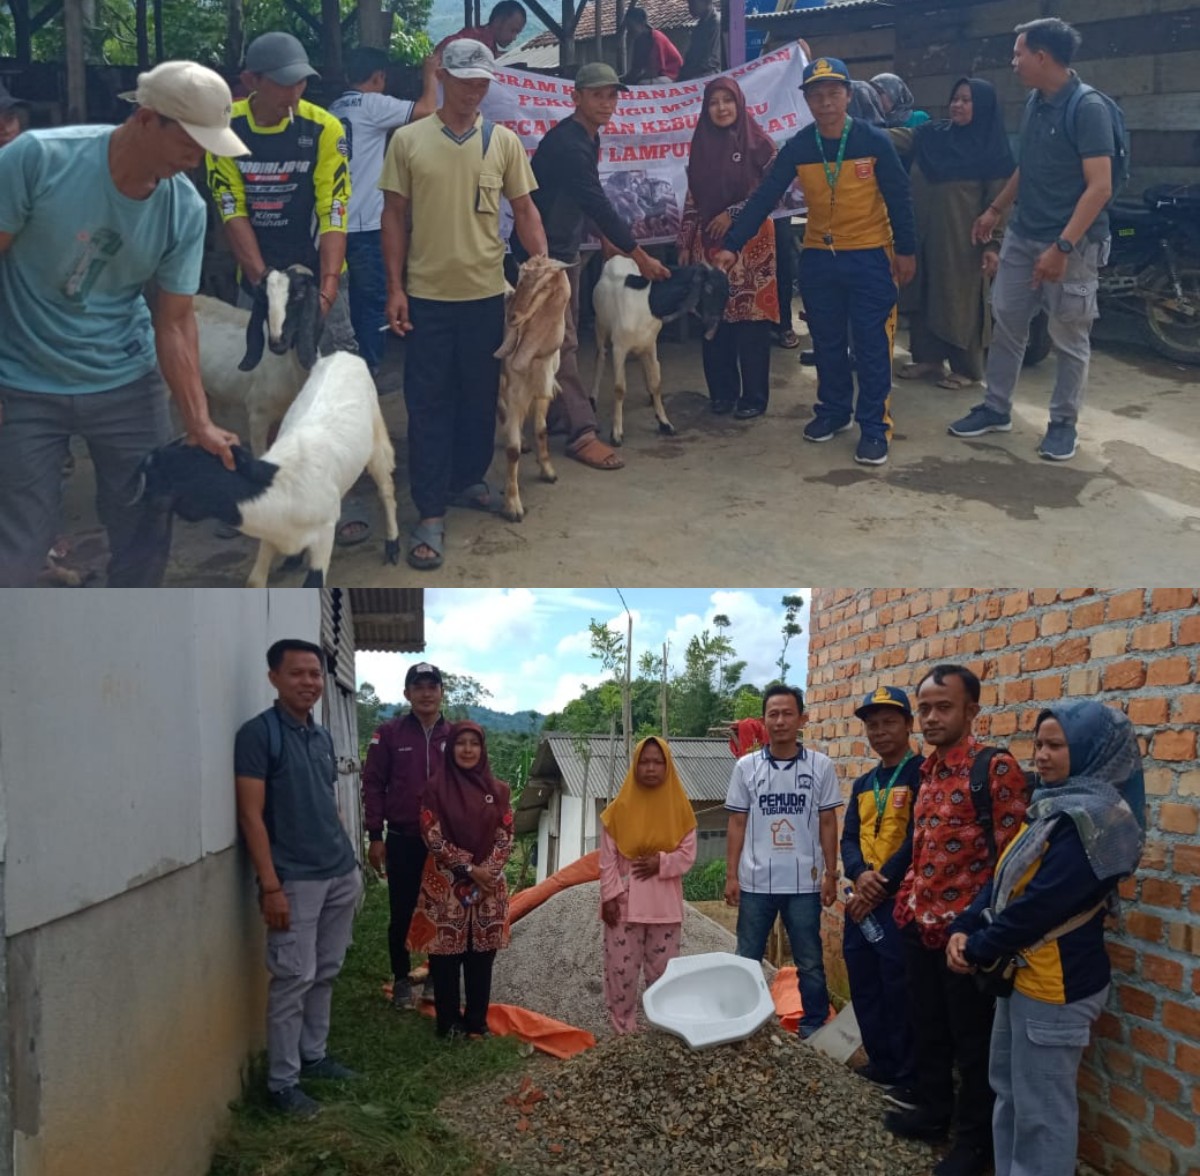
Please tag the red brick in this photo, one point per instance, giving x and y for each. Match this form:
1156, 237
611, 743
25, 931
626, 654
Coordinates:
918, 603
1171, 1125
1047, 687
1125, 605
1071, 652
1091, 1149
1160, 970
1004, 723
1194, 901
1187, 859
1184, 937
996, 638
1149, 1043
1189, 630
1154, 856
1122, 957
1156, 892
1148, 712
1117, 1060
1112, 1131
1137, 1002
1127, 888
1177, 818
1187, 1058
1086, 616
1162, 1085
1020, 690
1181, 1018
1155, 636
1187, 708
1109, 642
1074, 593
1131, 1104
1169, 599
1175, 745
1169, 671
1037, 658
1143, 926
1055, 622
1155, 1156
1023, 632
1126, 675
1108, 1026
1015, 602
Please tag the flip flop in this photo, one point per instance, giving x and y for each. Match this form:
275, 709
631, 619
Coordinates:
431, 535
478, 497
788, 340
956, 383
353, 516
917, 371
594, 454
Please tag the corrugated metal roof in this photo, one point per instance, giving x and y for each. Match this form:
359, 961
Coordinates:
662, 14
703, 764
823, 10
391, 620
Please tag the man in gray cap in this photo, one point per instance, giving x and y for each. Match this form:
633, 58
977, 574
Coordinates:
567, 166
88, 216
13, 113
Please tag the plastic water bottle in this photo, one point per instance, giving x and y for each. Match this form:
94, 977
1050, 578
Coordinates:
869, 925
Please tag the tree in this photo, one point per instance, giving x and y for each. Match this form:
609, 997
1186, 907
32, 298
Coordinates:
368, 705
791, 628
460, 691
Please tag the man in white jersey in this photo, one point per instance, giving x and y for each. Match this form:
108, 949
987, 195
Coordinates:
781, 855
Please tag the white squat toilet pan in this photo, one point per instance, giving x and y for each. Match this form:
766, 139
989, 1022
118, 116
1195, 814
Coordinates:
709, 999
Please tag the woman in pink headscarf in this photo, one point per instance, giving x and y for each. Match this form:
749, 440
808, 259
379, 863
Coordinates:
730, 155
467, 823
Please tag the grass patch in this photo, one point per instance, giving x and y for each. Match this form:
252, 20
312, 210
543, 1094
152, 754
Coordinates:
385, 1122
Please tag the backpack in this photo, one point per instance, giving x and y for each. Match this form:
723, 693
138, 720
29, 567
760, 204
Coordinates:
981, 797
274, 741
1120, 156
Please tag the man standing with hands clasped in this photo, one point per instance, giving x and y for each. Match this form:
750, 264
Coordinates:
781, 853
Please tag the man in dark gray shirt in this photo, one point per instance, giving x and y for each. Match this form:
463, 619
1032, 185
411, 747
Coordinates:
703, 54
308, 878
1057, 240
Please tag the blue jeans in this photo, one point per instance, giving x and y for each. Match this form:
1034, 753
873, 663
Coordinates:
1033, 1068
368, 294
802, 921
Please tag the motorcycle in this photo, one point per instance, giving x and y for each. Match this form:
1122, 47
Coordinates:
1152, 278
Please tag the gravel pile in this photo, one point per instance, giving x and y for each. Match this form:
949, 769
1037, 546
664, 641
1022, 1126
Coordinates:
646, 1104
555, 964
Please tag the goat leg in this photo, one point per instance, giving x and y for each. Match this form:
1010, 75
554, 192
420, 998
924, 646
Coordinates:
380, 467
320, 552
618, 425
541, 434
513, 510
653, 373
262, 566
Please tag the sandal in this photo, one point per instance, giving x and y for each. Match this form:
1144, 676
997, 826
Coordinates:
788, 340
477, 497
431, 535
354, 527
956, 383
594, 454
918, 371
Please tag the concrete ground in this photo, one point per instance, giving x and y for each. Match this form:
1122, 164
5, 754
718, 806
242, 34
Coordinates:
751, 503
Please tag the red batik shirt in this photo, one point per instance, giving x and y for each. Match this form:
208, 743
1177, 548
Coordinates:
950, 860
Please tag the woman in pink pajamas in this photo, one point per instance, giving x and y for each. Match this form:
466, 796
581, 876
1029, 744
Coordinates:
648, 843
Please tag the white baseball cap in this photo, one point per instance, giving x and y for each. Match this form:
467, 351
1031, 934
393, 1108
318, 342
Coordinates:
195, 97
468, 59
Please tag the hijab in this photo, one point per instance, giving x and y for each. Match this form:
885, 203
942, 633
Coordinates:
865, 105
470, 804
979, 151
900, 96
726, 163
644, 820
1104, 795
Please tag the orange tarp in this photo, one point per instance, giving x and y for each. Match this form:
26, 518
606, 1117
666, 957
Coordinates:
786, 995
585, 869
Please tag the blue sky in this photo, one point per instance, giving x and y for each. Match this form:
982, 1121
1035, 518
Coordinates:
529, 646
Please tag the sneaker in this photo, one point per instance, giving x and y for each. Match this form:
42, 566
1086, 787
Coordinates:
916, 1124
427, 993
402, 994
980, 420
1059, 442
964, 1160
823, 428
808, 358
291, 1100
872, 1073
328, 1070
871, 451
903, 1097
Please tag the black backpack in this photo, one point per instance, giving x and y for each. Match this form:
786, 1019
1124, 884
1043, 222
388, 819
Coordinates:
981, 797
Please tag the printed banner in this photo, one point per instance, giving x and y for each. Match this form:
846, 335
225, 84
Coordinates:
644, 150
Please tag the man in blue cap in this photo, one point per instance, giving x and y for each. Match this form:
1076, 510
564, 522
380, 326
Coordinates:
876, 851
859, 246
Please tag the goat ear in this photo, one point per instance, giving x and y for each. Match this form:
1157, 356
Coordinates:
636, 282
255, 332
309, 328
255, 471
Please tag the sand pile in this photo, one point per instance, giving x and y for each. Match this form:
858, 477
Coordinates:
555, 963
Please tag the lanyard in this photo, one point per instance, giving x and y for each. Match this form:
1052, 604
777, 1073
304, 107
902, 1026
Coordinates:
881, 802
833, 174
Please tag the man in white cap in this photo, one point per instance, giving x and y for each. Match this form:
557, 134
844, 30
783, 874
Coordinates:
88, 216
445, 279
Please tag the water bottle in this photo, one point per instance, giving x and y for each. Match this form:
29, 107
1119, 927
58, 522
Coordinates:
869, 925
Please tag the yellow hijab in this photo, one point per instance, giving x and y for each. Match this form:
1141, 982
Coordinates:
643, 820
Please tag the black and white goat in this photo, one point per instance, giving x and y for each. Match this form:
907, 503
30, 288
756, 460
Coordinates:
630, 312
291, 498
233, 369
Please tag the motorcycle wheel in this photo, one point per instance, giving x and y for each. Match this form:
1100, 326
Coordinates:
1038, 346
1175, 336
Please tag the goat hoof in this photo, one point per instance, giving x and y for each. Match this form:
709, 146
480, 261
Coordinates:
513, 516
314, 579
293, 563
391, 551
616, 440
666, 428
549, 476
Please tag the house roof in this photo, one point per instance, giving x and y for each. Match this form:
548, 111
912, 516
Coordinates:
788, 8
662, 14
391, 620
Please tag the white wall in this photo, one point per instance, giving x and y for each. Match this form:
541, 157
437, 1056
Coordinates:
543, 845
118, 710
569, 826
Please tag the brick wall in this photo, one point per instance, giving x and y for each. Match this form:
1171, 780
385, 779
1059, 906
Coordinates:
1140, 650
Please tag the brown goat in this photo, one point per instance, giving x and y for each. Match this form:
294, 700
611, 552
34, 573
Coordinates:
534, 325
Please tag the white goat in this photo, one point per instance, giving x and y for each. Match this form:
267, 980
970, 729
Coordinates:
534, 326
290, 499
630, 312
227, 345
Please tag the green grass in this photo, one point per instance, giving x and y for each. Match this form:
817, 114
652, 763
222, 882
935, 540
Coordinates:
384, 1124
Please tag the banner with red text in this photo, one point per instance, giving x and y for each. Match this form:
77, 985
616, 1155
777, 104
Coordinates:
644, 149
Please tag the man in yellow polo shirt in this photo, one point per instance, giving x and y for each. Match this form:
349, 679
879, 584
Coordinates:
445, 175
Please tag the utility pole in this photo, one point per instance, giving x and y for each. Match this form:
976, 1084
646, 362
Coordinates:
663, 696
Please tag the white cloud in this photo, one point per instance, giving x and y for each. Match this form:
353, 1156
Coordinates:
568, 687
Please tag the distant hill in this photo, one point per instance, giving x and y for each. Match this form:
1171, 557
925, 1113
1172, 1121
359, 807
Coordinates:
487, 718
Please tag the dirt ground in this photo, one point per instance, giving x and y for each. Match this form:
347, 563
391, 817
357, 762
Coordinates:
751, 503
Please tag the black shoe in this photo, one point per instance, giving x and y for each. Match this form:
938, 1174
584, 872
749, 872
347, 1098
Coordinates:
964, 1160
808, 358
903, 1097
917, 1124
747, 412
720, 407
872, 1073
402, 994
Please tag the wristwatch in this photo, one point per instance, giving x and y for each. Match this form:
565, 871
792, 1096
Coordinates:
1064, 246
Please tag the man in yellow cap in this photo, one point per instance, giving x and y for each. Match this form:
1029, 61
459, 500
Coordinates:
88, 216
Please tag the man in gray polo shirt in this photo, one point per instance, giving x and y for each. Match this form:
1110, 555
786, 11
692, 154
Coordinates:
1056, 242
308, 876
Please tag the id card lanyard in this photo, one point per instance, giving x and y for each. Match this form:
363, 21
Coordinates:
881, 802
832, 174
